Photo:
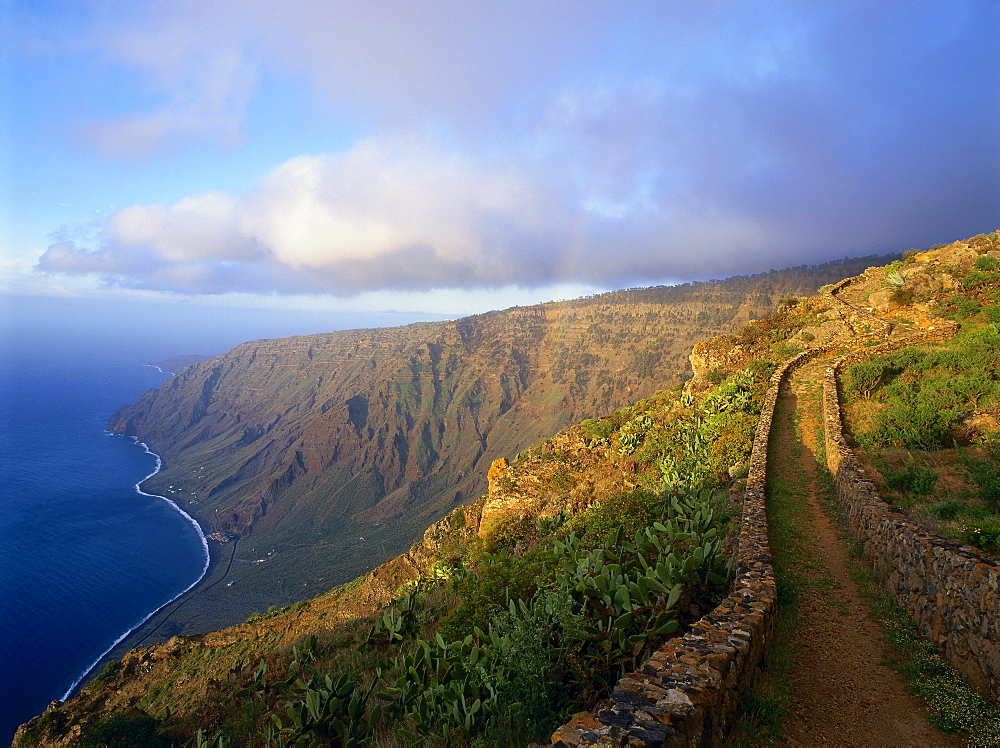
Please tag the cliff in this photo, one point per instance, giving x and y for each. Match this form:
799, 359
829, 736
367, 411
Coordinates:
307, 445
233, 682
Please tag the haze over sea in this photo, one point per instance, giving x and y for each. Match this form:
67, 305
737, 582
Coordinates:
84, 555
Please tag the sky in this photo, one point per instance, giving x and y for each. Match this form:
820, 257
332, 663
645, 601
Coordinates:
450, 157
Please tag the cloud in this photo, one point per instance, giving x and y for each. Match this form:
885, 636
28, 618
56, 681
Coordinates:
197, 84
382, 215
525, 143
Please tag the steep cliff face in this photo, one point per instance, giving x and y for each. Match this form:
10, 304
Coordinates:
310, 444
189, 683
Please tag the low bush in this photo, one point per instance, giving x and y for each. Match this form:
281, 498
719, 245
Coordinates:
125, 731
983, 534
986, 474
947, 509
912, 478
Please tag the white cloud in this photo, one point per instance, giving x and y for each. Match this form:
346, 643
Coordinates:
384, 214
525, 143
199, 227
315, 211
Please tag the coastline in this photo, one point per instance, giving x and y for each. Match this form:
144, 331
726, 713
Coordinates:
206, 567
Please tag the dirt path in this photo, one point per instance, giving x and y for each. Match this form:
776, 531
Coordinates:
842, 694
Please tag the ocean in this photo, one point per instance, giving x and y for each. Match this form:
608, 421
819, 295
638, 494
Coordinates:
85, 556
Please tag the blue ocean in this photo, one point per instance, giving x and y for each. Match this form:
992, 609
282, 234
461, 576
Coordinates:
85, 556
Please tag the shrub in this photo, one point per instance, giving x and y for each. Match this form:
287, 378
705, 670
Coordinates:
986, 473
913, 425
125, 731
505, 531
984, 535
561, 479
716, 376
866, 376
965, 308
456, 520
913, 478
110, 672
487, 589
903, 296
985, 262
947, 509
628, 510
976, 279
598, 428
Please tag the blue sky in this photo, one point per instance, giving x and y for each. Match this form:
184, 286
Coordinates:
454, 157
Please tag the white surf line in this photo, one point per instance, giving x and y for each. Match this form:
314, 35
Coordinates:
204, 570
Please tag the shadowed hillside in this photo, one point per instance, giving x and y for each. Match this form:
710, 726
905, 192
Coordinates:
429, 645
332, 452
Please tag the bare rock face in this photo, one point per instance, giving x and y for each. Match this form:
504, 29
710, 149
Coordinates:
711, 355
497, 503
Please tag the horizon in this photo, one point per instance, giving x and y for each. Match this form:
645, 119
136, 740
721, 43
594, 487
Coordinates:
152, 330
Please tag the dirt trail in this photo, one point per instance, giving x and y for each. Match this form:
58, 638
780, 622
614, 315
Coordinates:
842, 694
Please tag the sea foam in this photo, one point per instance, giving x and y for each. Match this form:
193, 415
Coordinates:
204, 570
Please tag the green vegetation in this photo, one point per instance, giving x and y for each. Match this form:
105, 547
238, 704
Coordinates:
924, 392
537, 616
125, 731
914, 478
534, 637
911, 413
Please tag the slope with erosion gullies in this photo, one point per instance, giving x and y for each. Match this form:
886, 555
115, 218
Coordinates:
309, 444
590, 480
595, 471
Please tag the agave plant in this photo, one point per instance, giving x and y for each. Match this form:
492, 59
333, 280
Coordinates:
895, 278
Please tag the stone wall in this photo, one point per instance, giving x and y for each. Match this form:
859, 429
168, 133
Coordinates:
687, 693
950, 590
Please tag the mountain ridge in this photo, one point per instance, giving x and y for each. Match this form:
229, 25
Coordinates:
314, 442
559, 473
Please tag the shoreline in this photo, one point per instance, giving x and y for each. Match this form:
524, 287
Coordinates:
206, 567
167, 373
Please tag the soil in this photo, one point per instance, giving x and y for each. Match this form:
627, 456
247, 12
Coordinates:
842, 693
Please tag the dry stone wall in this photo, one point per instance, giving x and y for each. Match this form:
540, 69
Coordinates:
687, 693
950, 590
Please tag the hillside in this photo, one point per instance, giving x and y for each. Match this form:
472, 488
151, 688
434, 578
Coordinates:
330, 453
574, 489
